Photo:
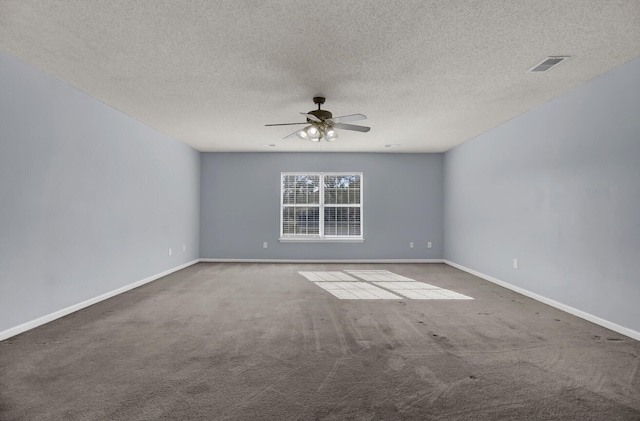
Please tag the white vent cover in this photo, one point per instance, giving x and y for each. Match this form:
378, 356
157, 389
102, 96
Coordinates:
547, 64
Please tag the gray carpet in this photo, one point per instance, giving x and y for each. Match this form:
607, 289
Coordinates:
259, 341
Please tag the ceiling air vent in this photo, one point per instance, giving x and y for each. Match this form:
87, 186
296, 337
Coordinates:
547, 64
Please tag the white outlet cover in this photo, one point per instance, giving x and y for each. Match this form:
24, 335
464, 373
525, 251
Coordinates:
411, 245
169, 252
515, 263
429, 245
264, 245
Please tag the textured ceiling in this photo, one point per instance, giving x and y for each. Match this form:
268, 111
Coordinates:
428, 74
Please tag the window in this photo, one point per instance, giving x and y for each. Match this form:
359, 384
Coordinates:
321, 206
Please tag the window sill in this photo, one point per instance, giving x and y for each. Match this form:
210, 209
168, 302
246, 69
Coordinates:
320, 240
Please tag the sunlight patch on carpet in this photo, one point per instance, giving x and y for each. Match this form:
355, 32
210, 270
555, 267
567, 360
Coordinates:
332, 276
379, 275
377, 285
356, 291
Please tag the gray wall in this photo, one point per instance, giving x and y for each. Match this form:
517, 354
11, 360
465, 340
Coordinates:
91, 199
240, 205
559, 189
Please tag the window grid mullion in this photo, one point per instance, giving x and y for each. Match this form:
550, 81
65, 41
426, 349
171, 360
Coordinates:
321, 213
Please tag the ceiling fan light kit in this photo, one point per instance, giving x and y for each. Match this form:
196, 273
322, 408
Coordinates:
316, 132
322, 124
312, 133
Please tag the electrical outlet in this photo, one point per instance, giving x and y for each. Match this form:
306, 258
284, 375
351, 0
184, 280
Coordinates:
264, 245
184, 247
429, 245
170, 251
411, 245
515, 263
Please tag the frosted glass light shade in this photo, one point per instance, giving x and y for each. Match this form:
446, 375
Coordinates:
330, 135
313, 133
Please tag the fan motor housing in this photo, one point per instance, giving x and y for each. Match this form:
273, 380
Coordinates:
321, 114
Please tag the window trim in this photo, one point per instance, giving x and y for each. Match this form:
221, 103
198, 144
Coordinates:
321, 238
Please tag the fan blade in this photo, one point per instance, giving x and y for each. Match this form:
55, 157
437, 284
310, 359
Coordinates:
312, 117
350, 117
353, 127
285, 124
291, 135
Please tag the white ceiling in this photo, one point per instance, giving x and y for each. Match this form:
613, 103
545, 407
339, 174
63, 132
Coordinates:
428, 74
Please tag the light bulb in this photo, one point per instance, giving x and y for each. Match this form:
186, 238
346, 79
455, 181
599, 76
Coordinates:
302, 134
313, 133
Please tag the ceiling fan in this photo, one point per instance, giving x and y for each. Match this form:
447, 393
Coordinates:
322, 124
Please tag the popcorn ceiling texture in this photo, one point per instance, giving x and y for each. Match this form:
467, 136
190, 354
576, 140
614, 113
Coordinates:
428, 74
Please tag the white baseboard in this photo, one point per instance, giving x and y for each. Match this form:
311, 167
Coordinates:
217, 260
568, 309
16, 330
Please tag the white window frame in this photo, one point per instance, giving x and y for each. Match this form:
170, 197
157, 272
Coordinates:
302, 238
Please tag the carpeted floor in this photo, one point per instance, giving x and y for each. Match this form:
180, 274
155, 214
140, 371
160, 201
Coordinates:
260, 341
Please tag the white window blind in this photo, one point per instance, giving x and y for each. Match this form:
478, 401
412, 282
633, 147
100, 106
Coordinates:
318, 206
